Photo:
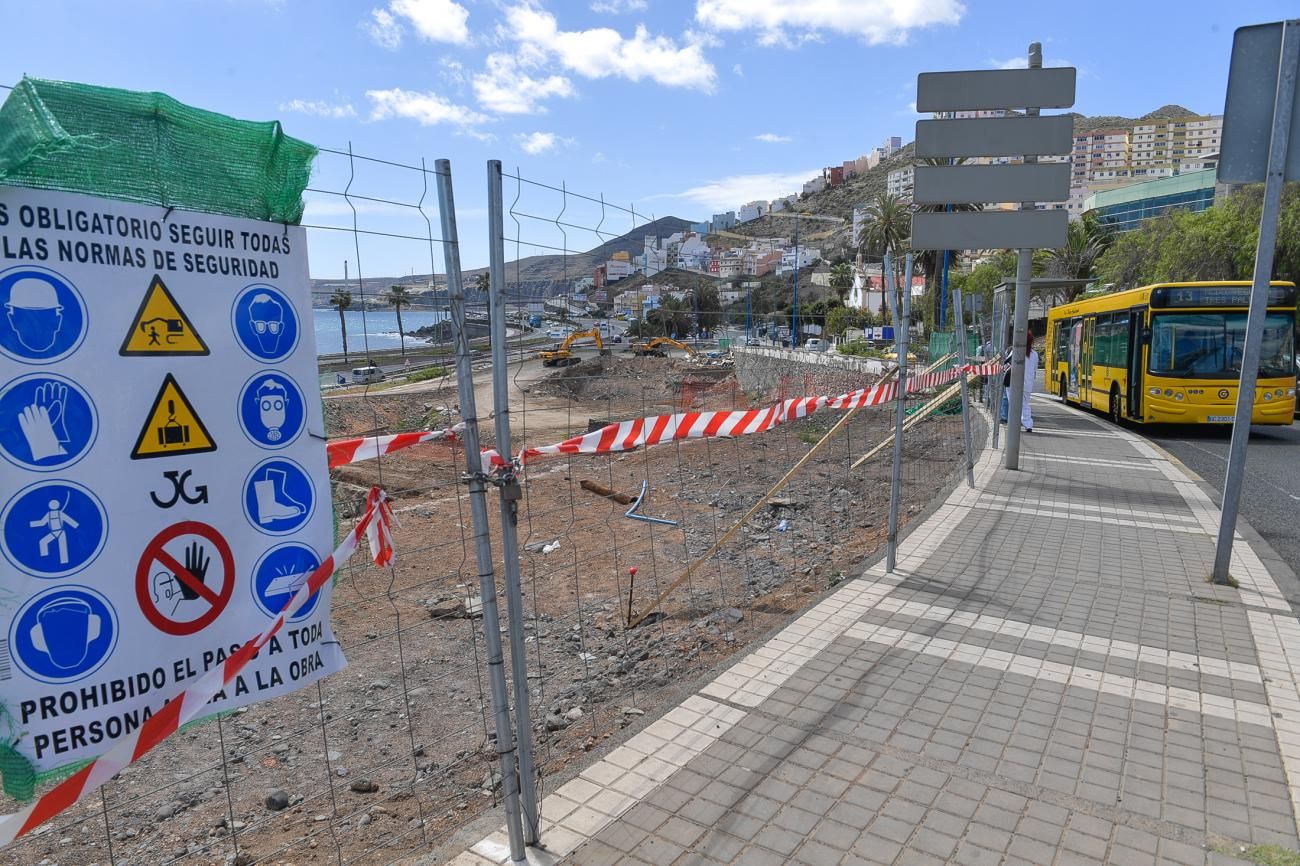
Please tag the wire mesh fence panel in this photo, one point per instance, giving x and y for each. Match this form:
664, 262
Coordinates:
384, 759
643, 567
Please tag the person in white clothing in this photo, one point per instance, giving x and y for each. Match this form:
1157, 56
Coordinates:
1031, 373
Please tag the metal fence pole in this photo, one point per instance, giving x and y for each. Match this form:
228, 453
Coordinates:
959, 328
901, 327
477, 481
996, 348
510, 496
1277, 158
1020, 313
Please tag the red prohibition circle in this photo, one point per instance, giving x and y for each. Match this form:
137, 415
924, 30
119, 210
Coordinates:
154, 552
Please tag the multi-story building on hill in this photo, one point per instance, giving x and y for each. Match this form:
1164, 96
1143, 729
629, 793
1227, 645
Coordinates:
899, 182
1161, 148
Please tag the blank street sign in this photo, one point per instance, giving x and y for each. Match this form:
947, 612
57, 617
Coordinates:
995, 136
971, 184
995, 88
1248, 112
990, 230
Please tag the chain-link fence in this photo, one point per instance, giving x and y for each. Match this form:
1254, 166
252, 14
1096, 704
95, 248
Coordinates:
622, 606
640, 571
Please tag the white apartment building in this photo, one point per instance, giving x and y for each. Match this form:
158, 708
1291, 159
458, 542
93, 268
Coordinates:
899, 182
752, 211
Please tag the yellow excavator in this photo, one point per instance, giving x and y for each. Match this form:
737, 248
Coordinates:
651, 347
560, 356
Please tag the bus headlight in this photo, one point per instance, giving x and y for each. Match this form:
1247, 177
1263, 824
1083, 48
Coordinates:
1154, 392
1169, 392
1178, 396
1278, 393
1268, 395
1290, 392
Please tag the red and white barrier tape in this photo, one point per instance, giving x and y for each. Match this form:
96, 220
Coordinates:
344, 451
657, 429
190, 703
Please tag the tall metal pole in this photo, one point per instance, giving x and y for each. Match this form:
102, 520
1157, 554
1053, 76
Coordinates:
1277, 157
510, 496
477, 482
959, 328
794, 310
901, 328
1024, 273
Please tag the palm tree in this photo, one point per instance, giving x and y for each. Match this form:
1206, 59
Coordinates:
343, 300
398, 297
886, 228
483, 285
930, 262
674, 316
842, 280
1085, 241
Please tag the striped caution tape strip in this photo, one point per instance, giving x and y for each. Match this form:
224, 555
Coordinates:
658, 429
375, 525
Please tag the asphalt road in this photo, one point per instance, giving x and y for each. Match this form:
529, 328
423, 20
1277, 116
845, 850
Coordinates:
1270, 500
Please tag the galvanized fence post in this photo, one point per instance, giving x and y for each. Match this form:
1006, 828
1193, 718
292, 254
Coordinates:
901, 327
510, 495
959, 328
477, 481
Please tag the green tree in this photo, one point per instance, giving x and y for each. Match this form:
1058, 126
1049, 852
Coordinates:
886, 228
1086, 241
842, 280
672, 316
708, 305
398, 297
342, 299
839, 320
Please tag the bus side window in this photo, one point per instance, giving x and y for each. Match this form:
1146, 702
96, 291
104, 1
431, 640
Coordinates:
1062, 353
1120, 355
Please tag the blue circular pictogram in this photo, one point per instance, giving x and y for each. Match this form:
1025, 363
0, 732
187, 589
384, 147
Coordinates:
265, 324
271, 409
278, 497
63, 634
53, 529
46, 422
44, 318
280, 573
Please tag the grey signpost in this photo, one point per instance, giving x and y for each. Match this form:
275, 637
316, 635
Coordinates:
1260, 116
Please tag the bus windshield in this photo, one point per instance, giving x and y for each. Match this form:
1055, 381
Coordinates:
1209, 345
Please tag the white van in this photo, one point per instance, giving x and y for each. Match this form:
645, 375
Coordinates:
814, 345
367, 375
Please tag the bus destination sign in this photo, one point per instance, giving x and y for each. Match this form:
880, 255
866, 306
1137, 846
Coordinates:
1218, 296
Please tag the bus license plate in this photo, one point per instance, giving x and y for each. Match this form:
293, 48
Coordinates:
1220, 419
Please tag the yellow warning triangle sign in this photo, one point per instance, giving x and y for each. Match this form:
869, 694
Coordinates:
173, 427
160, 327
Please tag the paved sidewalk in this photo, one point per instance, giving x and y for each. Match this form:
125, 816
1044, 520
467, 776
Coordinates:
1047, 679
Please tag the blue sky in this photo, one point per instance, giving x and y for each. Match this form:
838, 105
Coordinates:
682, 107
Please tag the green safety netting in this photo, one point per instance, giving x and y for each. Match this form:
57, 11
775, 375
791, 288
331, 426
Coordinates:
147, 147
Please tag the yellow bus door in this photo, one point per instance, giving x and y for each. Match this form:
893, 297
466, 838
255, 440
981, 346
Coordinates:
1085, 361
1137, 319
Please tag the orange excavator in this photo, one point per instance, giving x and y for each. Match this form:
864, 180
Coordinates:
560, 356
651, 347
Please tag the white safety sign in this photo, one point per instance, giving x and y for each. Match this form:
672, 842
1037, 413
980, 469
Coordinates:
165, 483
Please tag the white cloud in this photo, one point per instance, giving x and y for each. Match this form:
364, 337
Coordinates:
540, 142
428, 109
506, 87
784, 22
433, 20
319, 108
1022, 62
618, 7
772, 138
384, 29
729, 192
602, 52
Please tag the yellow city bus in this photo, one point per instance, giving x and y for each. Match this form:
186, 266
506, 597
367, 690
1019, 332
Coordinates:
1171, 353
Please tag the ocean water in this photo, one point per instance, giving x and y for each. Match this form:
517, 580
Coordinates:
377, 328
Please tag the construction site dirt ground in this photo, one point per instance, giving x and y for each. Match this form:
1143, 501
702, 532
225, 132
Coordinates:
389, 757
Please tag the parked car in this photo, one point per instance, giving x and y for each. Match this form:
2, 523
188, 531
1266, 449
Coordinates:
367, 375
618, 338
814, 345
